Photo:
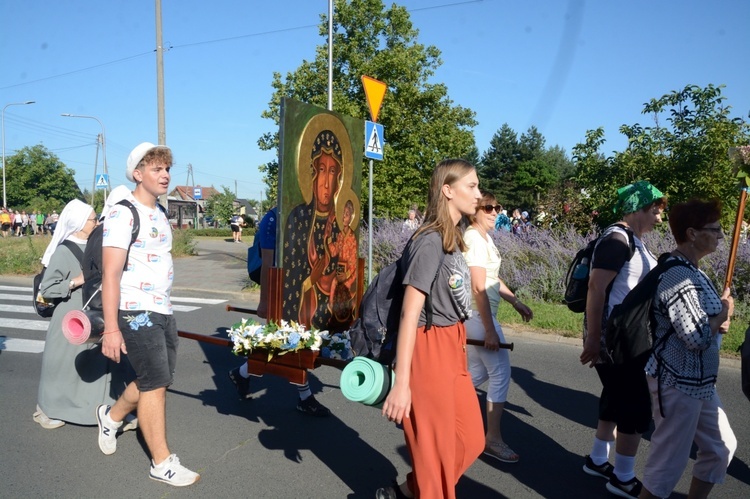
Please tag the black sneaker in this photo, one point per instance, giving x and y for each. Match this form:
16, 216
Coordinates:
601, 470
242, 384
631, 488
312, 407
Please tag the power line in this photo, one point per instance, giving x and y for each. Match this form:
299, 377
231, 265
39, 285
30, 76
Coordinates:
218, 40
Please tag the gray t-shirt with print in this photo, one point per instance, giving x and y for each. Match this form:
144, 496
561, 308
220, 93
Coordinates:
451, 295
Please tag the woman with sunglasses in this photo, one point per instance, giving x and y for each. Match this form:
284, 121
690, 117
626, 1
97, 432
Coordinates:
489, 362
681, 373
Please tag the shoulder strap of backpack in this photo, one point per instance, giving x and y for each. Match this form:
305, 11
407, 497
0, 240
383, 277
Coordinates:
73, 247
428, 300
662, 267
631, 236
136, 226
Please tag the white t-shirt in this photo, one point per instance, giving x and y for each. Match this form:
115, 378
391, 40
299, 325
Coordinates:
482, 252
147, 282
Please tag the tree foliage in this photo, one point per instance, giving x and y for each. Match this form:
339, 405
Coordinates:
422, 125
686, 157
36, 179
521, 172
221, 205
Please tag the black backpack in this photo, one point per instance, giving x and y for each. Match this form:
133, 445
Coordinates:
577, 277
92, 260
43, 307
375, 332
744, 350
630, 330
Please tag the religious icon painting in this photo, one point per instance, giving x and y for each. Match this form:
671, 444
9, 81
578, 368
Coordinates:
320, 172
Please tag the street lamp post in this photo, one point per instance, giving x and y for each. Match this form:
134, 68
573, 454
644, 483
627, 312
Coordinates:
104, 151
5, 200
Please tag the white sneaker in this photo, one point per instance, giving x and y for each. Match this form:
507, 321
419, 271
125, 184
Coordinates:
107, 430
172, 472
130, 423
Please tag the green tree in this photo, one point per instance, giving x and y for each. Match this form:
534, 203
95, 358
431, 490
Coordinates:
422, 125
685, 158
36, 179
221, 205
498, 164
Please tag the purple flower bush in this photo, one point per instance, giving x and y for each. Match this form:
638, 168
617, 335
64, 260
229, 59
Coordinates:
534, 263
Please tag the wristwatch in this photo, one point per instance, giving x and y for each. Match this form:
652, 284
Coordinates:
71, 284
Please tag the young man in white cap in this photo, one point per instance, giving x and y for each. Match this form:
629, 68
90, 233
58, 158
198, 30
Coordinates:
138, 320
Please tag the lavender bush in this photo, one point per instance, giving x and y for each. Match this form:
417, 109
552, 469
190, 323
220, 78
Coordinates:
535, 263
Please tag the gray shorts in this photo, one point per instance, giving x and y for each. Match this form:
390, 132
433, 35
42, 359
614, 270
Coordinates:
151, 339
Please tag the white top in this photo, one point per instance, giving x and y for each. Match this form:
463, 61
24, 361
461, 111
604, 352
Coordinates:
147, 282
482, 252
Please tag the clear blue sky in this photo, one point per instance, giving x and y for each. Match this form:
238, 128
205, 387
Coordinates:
563, 66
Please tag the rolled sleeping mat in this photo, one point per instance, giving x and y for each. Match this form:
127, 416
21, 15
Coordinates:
83, 326
367, 381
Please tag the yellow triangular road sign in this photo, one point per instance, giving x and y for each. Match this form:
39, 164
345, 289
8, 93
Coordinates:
374, 92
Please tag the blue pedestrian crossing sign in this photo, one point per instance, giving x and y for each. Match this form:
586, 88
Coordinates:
102, 181
197, 193
374, 140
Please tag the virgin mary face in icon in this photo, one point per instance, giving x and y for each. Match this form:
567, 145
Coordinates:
326, 181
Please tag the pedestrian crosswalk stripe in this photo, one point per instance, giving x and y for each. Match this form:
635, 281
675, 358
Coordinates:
23, 324
207, 301
19, 309
16, 288
183, 308
15, 297
21, 345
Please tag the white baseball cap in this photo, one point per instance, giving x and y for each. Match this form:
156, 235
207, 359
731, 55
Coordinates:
136, 155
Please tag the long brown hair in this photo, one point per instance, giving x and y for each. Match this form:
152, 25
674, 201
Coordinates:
437, 215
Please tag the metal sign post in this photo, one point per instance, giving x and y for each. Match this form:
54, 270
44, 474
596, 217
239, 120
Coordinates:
374, 93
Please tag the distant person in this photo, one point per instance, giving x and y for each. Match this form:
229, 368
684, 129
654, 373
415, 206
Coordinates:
236, 224
17, 223
5, 222
24, 223
75, 379
489, 362
691, 317
411, 223
502, 222
138, 319
32, 221
306, 403
624, 411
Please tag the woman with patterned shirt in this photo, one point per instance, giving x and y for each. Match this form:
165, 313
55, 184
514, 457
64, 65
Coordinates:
690, 316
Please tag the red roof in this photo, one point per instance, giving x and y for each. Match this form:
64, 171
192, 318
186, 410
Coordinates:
185, 192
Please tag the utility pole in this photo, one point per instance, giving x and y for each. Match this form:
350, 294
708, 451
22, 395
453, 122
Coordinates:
160, 88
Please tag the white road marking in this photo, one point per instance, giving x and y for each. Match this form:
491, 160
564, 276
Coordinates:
18, 309
207, 301
21, 345
16, 288
23, 324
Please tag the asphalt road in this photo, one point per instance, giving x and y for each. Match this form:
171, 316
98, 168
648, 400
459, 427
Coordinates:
264, 448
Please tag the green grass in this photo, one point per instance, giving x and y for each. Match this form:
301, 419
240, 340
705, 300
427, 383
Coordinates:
22, 255
557, 319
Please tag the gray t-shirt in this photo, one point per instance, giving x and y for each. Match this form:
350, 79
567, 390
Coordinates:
451, 295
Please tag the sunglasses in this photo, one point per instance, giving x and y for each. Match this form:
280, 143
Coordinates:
488, 208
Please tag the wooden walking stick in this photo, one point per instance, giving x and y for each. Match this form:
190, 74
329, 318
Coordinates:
739, 156
736, 238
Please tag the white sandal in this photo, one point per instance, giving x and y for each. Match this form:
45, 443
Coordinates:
45, 422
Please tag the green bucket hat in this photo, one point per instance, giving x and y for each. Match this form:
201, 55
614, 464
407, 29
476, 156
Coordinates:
635, 196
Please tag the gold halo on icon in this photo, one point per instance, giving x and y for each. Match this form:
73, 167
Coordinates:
345, 195
317, 124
